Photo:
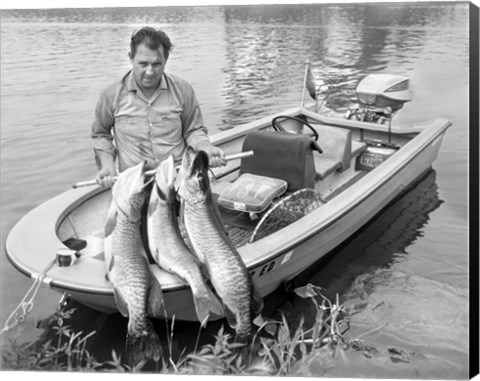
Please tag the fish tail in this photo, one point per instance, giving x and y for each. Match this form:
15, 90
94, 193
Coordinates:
143, 346
207, 304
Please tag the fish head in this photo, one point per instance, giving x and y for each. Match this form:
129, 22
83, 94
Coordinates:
165, 180
129, 191
193, 182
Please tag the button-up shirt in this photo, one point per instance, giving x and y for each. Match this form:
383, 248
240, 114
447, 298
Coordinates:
133, 128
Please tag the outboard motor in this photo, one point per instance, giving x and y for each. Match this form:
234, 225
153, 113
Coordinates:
380, 96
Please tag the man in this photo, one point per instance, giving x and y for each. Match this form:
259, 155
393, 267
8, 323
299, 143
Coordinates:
149, 114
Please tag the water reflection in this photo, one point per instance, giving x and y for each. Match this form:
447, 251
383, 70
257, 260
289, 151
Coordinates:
382, 242
271, 43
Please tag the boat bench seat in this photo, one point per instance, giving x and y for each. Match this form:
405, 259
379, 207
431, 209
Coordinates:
325, 165
358, 147
336, 144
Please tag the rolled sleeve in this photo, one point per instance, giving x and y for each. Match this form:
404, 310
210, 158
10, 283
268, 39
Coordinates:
101, 134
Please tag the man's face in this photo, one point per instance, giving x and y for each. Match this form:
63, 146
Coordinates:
148, 66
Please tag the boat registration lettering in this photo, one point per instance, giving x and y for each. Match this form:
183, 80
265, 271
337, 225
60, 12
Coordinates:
265, 269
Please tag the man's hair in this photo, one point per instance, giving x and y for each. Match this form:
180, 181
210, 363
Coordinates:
152, 38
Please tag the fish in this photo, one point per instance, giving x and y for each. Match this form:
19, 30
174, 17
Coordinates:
168, 247
227, 271
137, 293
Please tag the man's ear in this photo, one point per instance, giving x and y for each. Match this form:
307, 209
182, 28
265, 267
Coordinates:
130, 55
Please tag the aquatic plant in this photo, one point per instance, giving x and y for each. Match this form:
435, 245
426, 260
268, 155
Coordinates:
289, 350
68, 352
277, 348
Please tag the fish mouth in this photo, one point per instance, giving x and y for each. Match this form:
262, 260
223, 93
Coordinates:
199, 169
132, 180
193, 175
199, 164
130, 186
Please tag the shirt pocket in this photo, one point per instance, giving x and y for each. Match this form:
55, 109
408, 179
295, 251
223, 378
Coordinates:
167, 129
132, 127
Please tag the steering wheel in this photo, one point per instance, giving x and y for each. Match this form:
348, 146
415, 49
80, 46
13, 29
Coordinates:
278, 127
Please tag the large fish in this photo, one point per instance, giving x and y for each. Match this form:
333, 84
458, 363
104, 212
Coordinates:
168, 247
137, 293
228, 273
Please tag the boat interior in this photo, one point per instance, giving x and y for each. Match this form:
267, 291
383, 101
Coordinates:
314, 162
299, 164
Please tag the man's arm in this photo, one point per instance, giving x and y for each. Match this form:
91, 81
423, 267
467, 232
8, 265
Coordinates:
195, 133
102, 140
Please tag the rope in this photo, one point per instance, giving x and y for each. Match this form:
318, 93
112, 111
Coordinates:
20, 313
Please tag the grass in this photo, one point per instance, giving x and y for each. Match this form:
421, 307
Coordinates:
277, 348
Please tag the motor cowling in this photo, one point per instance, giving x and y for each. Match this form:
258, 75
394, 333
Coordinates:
384, 90
379, 97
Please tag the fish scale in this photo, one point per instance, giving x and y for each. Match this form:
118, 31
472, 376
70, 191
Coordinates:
227, 271
231, 286
168, 247
137, 292
135, 285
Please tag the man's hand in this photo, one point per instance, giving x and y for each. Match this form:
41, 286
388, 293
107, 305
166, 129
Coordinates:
105, 177
106, 163
216, 156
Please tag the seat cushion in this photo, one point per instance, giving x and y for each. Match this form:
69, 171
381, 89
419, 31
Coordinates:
251, 193
281, 155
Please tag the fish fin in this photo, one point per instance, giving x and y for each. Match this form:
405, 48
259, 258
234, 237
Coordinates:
143, 346
120, 301
155, 299
207, 304
231, 317
181, 213
153, 202
111, 219
166, 176
256, 305
110, 264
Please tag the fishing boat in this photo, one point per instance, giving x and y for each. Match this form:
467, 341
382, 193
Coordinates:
317, 175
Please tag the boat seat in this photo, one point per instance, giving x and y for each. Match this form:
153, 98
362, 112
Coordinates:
336, 143
251, 193
358, 147
281, 155
281, 162
325, 165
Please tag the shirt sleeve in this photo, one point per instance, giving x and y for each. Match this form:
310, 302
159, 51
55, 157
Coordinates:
194, 130
102, 136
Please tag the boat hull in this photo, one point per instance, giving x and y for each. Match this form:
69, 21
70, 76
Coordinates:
271, 261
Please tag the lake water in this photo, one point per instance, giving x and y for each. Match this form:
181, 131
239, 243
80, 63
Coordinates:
405, 275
